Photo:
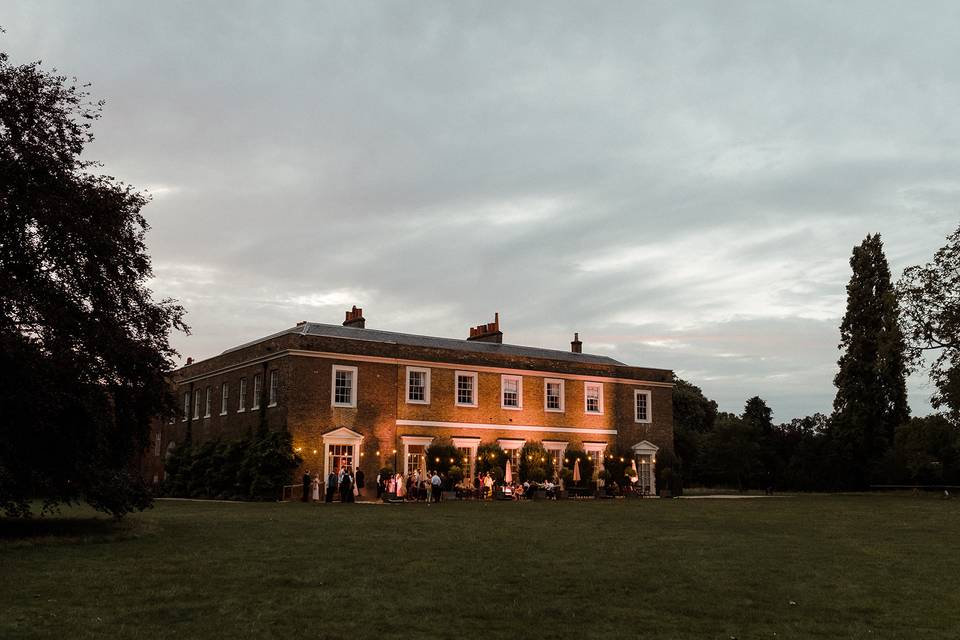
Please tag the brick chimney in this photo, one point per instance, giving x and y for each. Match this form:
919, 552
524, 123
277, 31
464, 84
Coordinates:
355, 318
576, 346
489, 332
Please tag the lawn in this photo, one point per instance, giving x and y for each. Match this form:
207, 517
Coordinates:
869, 566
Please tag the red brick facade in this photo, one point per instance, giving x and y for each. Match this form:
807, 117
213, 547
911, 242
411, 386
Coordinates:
383, 420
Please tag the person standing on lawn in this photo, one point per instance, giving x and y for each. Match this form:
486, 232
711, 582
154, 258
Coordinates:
331, 486
315, 488
435, 483
360, 479
305, 494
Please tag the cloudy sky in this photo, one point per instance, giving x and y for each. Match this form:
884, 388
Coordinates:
680, 183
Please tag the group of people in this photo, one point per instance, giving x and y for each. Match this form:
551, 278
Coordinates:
415, 487
344, 482
484, 483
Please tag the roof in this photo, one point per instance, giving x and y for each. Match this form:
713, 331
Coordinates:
413, 340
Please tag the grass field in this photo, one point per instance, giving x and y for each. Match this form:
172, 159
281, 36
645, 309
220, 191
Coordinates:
793, 567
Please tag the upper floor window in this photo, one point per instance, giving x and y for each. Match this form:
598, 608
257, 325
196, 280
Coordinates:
186, 406
224, 395
242, 396
206, 406
257, 391
553, 395
274, 385
593, 397
418, 385
196, 404
344, 390
641, 406
511, 392
466, 388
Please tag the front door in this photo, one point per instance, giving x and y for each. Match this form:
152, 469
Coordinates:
339, 457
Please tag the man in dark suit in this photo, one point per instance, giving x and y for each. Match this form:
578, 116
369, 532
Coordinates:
306, 487
331, 486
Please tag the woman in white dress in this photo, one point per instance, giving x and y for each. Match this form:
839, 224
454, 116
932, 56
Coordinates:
401, 490
315, 488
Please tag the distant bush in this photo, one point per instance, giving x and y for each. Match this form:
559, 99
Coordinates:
535, 463
250, 469
491, 456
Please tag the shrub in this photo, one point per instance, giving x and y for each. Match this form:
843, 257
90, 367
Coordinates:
491, 456
251, 468
535, 463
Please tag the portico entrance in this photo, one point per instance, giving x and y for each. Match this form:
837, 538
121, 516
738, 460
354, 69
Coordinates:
341, 448
645, 456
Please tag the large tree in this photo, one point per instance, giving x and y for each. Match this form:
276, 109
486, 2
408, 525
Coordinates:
930, 313
871, 398
83, 345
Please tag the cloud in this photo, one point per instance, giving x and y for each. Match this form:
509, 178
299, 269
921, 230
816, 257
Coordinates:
682, 184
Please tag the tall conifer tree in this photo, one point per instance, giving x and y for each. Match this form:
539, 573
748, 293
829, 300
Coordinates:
871, 396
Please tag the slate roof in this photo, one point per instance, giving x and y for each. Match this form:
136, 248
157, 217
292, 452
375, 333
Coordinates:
409, 339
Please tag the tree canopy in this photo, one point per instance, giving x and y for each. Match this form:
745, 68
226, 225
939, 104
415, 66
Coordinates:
930, 315
84, 346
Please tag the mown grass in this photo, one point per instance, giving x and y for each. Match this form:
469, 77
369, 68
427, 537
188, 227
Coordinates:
802, 567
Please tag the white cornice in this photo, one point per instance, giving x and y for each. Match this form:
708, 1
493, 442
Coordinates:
502, 427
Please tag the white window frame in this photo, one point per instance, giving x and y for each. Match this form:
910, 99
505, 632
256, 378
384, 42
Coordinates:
476, 388
503, 381
587, 385
186, 406
546, 383
636, 414
426, 383
209, 401
353, 386
424, 441
257, 391
224, 397
196, 404
274, 390
513, 447
242, 395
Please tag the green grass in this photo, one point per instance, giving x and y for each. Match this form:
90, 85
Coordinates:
856, 566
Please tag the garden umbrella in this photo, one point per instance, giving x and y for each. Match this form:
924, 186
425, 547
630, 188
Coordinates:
576, 470
636, 476
508, 475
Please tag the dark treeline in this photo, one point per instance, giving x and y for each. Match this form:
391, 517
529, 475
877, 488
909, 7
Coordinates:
869, 437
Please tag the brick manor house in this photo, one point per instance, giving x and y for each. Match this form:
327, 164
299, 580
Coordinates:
367, 398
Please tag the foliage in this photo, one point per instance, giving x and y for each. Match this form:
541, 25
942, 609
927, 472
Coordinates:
871, 398
927, 451
693, 416
734, 452
535, 463
440, 456
570, 458
617, 461
77, 321
253, 468
930, 316
491, 456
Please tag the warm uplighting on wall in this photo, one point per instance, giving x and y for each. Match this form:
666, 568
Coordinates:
362, 454
394, 452
314, 452
298, 449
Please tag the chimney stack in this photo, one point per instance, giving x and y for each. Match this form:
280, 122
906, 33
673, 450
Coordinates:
355, 318
189, 361
489, 332
576, 346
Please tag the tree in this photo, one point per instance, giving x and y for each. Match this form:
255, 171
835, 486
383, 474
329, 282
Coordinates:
536, 465
758, 417
930, 316
871, 398
928, 450
84, 347
734, 452
693, 416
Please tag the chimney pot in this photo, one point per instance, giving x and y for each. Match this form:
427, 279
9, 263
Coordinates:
355, 318
489, 332
576, 346
189, 361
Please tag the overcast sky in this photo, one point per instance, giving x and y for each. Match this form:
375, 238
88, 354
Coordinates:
682, 183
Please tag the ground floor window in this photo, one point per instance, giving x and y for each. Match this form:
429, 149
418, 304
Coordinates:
340, 456
416, 454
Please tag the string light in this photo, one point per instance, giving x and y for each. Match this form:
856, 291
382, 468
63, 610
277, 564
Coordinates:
314, 452
378, 452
